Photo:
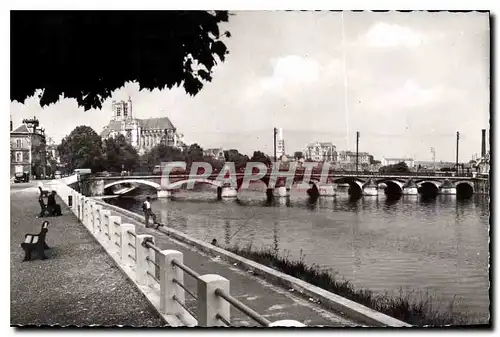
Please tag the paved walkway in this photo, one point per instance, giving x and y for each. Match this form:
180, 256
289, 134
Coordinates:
272, 302
78, 285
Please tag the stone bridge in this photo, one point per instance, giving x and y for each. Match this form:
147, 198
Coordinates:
359, 184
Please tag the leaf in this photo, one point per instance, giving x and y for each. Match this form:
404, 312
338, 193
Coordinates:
75, 53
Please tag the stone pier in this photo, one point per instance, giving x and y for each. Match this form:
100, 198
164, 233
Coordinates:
164, 194
226, 192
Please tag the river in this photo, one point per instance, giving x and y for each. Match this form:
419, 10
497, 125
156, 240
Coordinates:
436, 247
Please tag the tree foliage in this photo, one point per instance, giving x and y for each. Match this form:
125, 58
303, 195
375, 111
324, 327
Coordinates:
161, 153
194, 153
298, 155
396, 168
82, 148
260, 157
86, 55
239, 160
118, 155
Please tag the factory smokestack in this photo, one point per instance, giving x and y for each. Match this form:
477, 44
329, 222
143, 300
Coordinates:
483, 143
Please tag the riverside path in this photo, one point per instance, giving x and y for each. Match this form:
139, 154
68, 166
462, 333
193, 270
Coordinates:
80, 285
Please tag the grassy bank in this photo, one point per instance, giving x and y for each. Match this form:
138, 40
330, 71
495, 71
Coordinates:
405, 307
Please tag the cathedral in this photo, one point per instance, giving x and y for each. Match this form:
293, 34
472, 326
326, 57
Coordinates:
142, 134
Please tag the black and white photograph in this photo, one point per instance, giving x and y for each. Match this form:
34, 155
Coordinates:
219, 168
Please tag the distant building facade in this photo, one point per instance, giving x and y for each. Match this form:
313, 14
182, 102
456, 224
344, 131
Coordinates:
349, 157
321, 151
483, 164
393, 161
142, 134
51, 151
217, 153
28, 149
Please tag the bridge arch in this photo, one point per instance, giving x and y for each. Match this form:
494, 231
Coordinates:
465, 189
355, 185
134, 181
394, 186
428, 188
180, 183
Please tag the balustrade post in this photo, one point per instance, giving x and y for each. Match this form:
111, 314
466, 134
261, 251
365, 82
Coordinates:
86, 213
142, 264
77, 202
127, 239
94, 218
104, 228
210, 304
114, 227
168, 289
79, 207
98, 220
288, 323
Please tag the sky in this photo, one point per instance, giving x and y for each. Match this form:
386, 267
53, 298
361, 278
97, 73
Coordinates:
406, 81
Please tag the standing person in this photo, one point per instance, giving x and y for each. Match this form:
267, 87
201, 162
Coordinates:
146, 207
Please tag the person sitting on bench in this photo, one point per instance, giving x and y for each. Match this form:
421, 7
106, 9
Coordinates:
43, 207
52, 207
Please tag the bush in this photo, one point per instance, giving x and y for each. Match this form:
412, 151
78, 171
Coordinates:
405, 307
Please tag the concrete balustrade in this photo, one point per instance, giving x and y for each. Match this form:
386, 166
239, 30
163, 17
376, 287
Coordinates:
104, 232
93, 218
114, 227
128, 256
168, 288
96, 228
142, 264
139, 258
210, 305
287, 323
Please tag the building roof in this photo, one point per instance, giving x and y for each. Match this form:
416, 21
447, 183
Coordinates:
156, 123
21, 129
322, 144
145, 124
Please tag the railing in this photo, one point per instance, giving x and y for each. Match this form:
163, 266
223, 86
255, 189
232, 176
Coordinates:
299, 173
161, 271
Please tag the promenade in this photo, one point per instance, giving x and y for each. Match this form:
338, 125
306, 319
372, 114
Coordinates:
272, 302
79, 284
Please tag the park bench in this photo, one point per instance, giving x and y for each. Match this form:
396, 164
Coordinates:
36, 243
43, 193
43, 207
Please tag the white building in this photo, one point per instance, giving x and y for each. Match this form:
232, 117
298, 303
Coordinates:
321, 151
393, 161
142, 134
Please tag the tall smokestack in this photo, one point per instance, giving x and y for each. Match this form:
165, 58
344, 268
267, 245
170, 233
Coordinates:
483, 143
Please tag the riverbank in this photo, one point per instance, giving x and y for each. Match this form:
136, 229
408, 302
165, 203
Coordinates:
421, 312
78, 285
419, 247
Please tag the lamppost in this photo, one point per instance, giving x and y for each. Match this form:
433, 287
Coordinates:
433, 151
357, 148
456, 164
275, 133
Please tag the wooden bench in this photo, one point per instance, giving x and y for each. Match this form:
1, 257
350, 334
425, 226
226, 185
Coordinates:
43, 193
36, 243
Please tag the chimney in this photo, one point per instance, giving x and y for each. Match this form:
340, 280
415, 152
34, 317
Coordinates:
483, 143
